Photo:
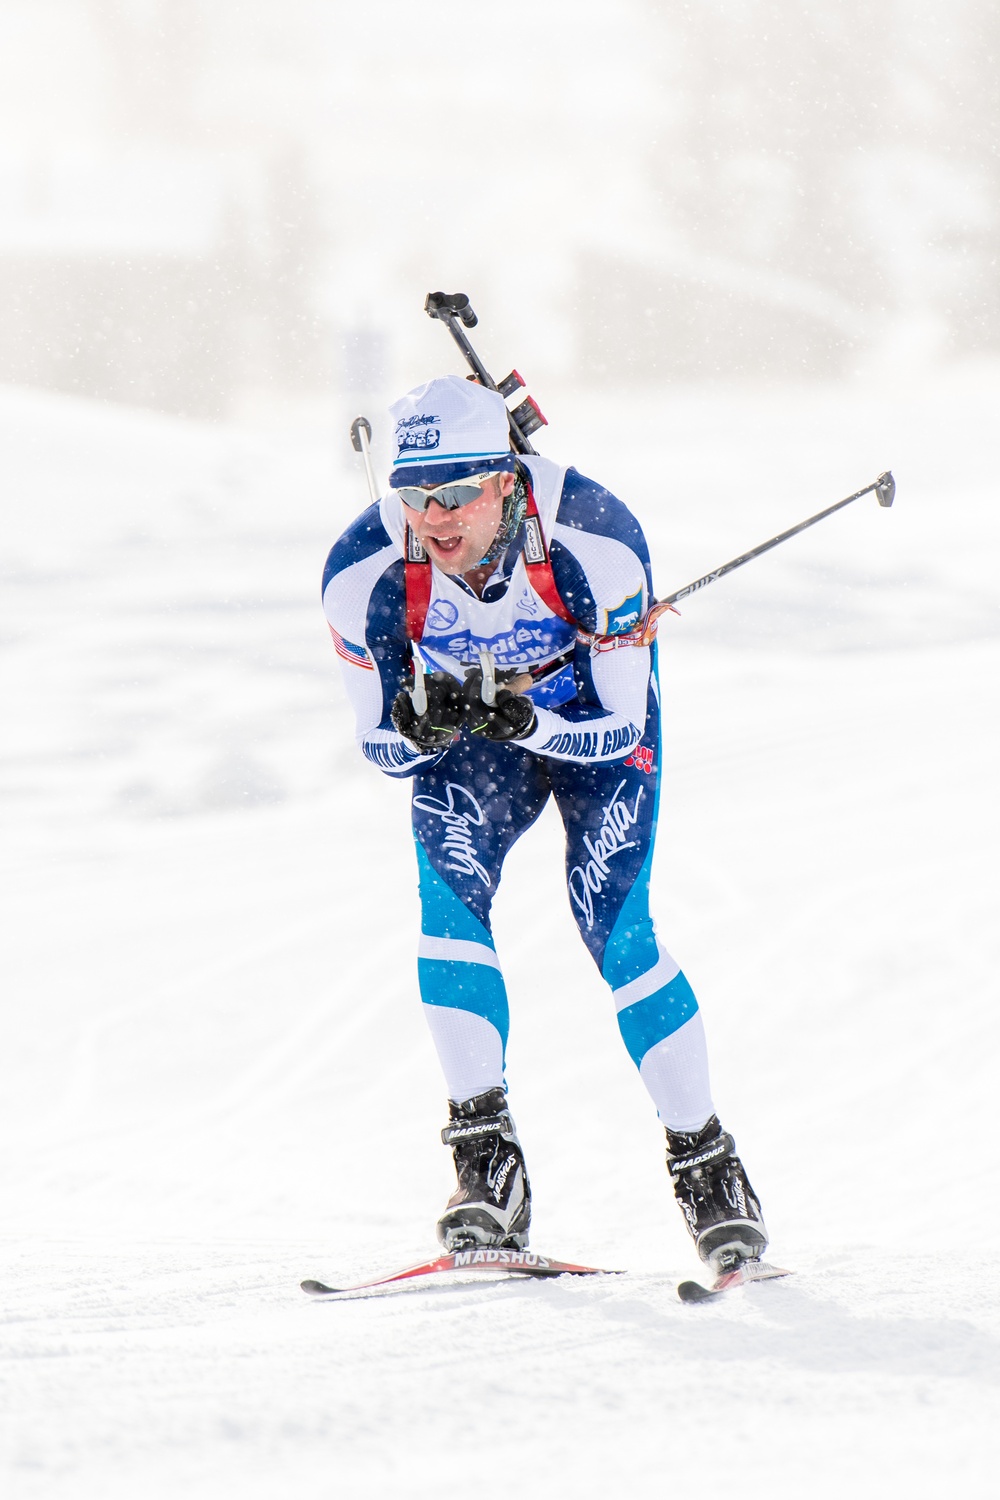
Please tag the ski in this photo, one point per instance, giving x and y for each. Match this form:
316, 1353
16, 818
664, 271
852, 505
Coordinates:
495, 1261
746, 1271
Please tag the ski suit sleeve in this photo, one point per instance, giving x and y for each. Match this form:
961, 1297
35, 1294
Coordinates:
601, 566
364, 604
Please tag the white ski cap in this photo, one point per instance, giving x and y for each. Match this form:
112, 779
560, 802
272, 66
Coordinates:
446, 429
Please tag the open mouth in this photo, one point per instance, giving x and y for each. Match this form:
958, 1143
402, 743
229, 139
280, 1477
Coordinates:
446, 544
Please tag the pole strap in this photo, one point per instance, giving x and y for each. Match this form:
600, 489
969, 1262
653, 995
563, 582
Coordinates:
417, 582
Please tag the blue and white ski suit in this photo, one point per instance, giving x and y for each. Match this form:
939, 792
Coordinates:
595, 750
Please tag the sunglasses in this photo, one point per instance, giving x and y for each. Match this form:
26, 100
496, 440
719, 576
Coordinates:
451, 496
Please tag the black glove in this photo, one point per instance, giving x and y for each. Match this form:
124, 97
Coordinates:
438, 725
511, 717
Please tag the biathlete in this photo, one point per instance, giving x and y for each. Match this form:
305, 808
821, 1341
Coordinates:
487, 611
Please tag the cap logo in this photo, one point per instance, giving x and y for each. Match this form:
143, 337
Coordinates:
417, 433
446, 424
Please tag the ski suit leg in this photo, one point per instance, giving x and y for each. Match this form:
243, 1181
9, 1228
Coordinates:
609, 812
467, 813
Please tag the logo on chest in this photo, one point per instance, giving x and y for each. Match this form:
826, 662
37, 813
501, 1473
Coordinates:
523, 643
523, 630
442, 615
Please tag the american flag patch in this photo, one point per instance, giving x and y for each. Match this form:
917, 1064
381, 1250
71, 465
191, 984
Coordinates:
350, 652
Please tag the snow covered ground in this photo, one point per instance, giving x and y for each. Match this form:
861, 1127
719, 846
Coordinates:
214, 1077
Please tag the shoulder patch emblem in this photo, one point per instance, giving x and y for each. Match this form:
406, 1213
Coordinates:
356, 655
624, 616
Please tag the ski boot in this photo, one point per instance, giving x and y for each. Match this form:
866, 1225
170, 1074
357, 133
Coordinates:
492, 1203
718, 1203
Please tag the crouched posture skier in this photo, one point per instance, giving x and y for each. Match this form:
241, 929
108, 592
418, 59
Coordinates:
477, 549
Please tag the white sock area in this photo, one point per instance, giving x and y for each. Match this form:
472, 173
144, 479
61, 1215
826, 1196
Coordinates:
675, 1072
457, 950
665, 969
470, 1050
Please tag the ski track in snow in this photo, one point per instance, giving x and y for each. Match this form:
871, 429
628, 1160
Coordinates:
215, 1079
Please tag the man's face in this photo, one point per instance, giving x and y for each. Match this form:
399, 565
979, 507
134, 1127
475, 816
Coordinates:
457, 539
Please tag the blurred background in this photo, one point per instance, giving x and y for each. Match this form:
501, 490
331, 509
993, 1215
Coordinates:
220, 207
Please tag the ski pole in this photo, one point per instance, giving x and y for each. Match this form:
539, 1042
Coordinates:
361, 436
885, 490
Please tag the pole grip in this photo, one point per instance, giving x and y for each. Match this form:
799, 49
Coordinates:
361, 432
489, 691
418, 693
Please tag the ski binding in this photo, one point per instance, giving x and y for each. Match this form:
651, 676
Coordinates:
738, 1275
